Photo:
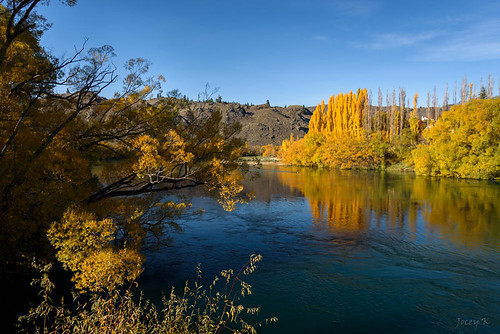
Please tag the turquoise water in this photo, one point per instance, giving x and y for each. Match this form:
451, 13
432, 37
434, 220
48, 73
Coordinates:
350, 252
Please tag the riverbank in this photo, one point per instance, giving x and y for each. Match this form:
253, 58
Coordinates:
261, 160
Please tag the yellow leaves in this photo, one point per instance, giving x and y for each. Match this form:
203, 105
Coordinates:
343, 116
315, 123
291, 151
415, 101
215, 145
336, 137
23, 58
423, 160
174, 148
146, 90
108, 269
84, 246
228, 185
270, 150
343, 152
346, 153
414, 123
464, 142
80, 230
157, 157
140, 95
149, 158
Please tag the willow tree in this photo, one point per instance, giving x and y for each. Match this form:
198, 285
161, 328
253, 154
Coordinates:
51, 201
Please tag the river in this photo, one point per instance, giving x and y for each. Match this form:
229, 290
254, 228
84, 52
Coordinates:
350, 251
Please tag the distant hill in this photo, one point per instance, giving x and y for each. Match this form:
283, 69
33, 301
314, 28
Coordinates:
261, 124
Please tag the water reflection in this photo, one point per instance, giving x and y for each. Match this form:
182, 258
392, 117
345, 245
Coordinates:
350, 252
462, 211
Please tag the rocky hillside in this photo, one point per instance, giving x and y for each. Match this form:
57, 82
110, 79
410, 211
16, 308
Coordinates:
261, 124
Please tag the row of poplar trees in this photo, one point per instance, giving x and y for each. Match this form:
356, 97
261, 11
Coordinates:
353, 115
349, 132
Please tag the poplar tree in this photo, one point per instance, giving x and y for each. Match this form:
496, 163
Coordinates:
445, 99
463, 91
491, 86
414, 122
455, 94
402, 109
428, 111
434, 104
368, 114
379, 112
394, 115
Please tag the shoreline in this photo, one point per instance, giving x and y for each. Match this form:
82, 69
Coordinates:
261, 160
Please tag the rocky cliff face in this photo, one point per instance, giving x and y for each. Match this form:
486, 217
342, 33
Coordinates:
261, 124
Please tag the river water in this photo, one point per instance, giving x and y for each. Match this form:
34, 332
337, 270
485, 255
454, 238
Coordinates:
350, 252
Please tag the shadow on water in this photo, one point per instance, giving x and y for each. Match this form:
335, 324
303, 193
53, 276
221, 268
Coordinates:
352, 252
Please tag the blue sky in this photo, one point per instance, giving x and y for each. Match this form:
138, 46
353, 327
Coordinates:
291, 52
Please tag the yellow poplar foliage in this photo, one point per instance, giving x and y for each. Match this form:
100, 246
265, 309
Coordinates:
414, 124
85, 246
336, 136
464, 142
343, 116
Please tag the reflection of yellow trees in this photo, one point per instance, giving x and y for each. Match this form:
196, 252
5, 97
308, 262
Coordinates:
343, 200
466, 213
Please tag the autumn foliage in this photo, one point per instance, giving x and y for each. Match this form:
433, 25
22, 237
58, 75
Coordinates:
52, 202
348, 133
464, 142
342, 134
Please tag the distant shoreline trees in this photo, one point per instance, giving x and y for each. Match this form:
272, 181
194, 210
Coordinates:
349, 133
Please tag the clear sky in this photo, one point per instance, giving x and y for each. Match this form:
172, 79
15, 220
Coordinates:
291, 51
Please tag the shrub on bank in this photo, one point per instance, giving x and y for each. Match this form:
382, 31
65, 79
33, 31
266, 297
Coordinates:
194, 310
